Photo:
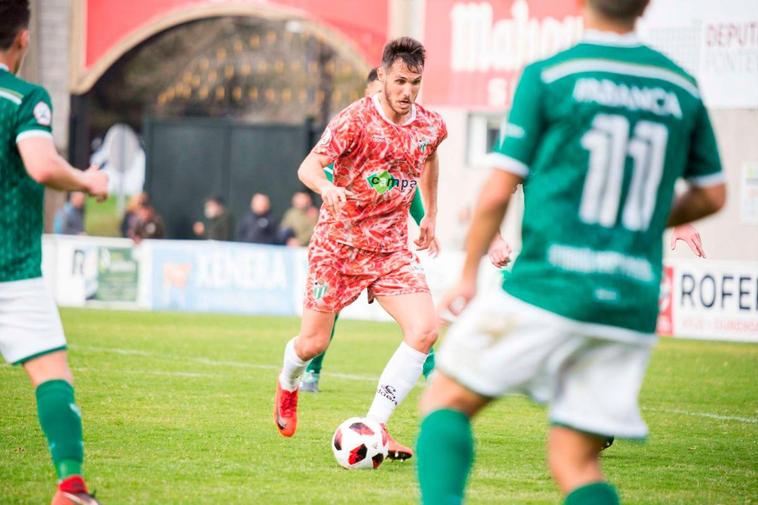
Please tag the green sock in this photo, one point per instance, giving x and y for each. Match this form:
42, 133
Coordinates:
445, 451
428, 364
315, 365
597, 493
61, 422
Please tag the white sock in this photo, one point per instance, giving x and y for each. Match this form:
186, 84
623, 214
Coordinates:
292, 369
398, 378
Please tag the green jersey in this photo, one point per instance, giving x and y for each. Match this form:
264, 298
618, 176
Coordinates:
601, 132
417, 205
25, 111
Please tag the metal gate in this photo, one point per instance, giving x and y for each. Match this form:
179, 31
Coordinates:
190, 159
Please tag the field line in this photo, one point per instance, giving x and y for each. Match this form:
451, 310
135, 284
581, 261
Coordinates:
708, 415
210, 362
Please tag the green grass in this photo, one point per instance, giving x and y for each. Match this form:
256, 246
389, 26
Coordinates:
177, 410
102, 219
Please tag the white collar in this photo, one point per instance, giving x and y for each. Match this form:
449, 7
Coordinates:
599, 37
3, 66
380, 109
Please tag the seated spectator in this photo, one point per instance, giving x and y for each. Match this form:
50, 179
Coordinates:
301, 218
69, 220
258, 227
129, 221
218, 222
149, 224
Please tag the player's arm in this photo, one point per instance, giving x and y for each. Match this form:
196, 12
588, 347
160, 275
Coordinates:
706, 193
46, 166
312, 174
499, 252
428, 185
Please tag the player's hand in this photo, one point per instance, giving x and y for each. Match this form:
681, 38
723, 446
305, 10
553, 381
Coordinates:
334, 197
96, 183
690, 236
500, 252
426, 234
455, 300
434, 248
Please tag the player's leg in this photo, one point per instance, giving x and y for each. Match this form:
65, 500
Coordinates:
61, 422
32, 336
428, 368
584, 415
313, 339
445, 443
574, 460
309, 382
415, 314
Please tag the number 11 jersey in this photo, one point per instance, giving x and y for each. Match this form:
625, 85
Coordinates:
601, 132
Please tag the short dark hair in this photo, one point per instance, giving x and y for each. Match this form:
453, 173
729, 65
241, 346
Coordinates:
619, 10
409, 50
372, 76
14, 17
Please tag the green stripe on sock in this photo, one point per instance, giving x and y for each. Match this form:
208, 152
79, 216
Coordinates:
597, 493
445, 451
428, 364
61, 422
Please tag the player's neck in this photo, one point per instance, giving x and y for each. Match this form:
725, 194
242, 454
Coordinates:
7, 62
593, 21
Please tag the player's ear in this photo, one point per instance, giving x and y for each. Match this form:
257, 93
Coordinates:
380, 73
22, 40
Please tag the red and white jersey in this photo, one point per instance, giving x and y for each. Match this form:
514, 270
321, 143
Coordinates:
379, 162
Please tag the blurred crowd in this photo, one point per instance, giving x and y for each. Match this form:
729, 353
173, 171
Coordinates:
258, 226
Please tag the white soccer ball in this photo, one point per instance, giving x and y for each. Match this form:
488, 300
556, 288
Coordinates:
359, 443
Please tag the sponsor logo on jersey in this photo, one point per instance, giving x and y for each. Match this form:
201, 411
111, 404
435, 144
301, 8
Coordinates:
43, 114
611, 94
381, 182
320, 289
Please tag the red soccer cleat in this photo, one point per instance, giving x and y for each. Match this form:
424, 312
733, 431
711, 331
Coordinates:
394, 449
285, 410
73, 491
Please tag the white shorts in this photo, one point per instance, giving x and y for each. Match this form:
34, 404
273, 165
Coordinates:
29, 322
502, 345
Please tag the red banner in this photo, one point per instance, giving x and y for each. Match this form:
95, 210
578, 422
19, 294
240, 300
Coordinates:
477, 49
110, 21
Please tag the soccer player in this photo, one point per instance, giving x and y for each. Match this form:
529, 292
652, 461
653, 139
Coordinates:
382, 148
31, 334
599, 134
310, 379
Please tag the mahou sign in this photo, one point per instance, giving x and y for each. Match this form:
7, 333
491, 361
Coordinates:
477, 49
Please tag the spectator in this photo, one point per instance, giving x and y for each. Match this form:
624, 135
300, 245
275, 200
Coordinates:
258, 227
217, 224
149, 224
301, 218
129, 221
69, 220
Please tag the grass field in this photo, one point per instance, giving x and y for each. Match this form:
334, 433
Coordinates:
177, 410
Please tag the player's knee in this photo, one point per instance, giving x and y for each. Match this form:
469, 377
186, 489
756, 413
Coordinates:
310, 346
423, 337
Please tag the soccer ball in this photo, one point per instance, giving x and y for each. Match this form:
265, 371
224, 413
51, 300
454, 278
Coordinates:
359, 443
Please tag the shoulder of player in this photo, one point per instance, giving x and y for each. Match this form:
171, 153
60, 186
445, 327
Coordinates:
659, 59
17, 90
428, 115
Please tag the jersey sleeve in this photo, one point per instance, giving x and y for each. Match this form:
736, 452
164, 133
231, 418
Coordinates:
340, 135
34, 116
521, 134
703, 161
329, 172
417, 207
441, 132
